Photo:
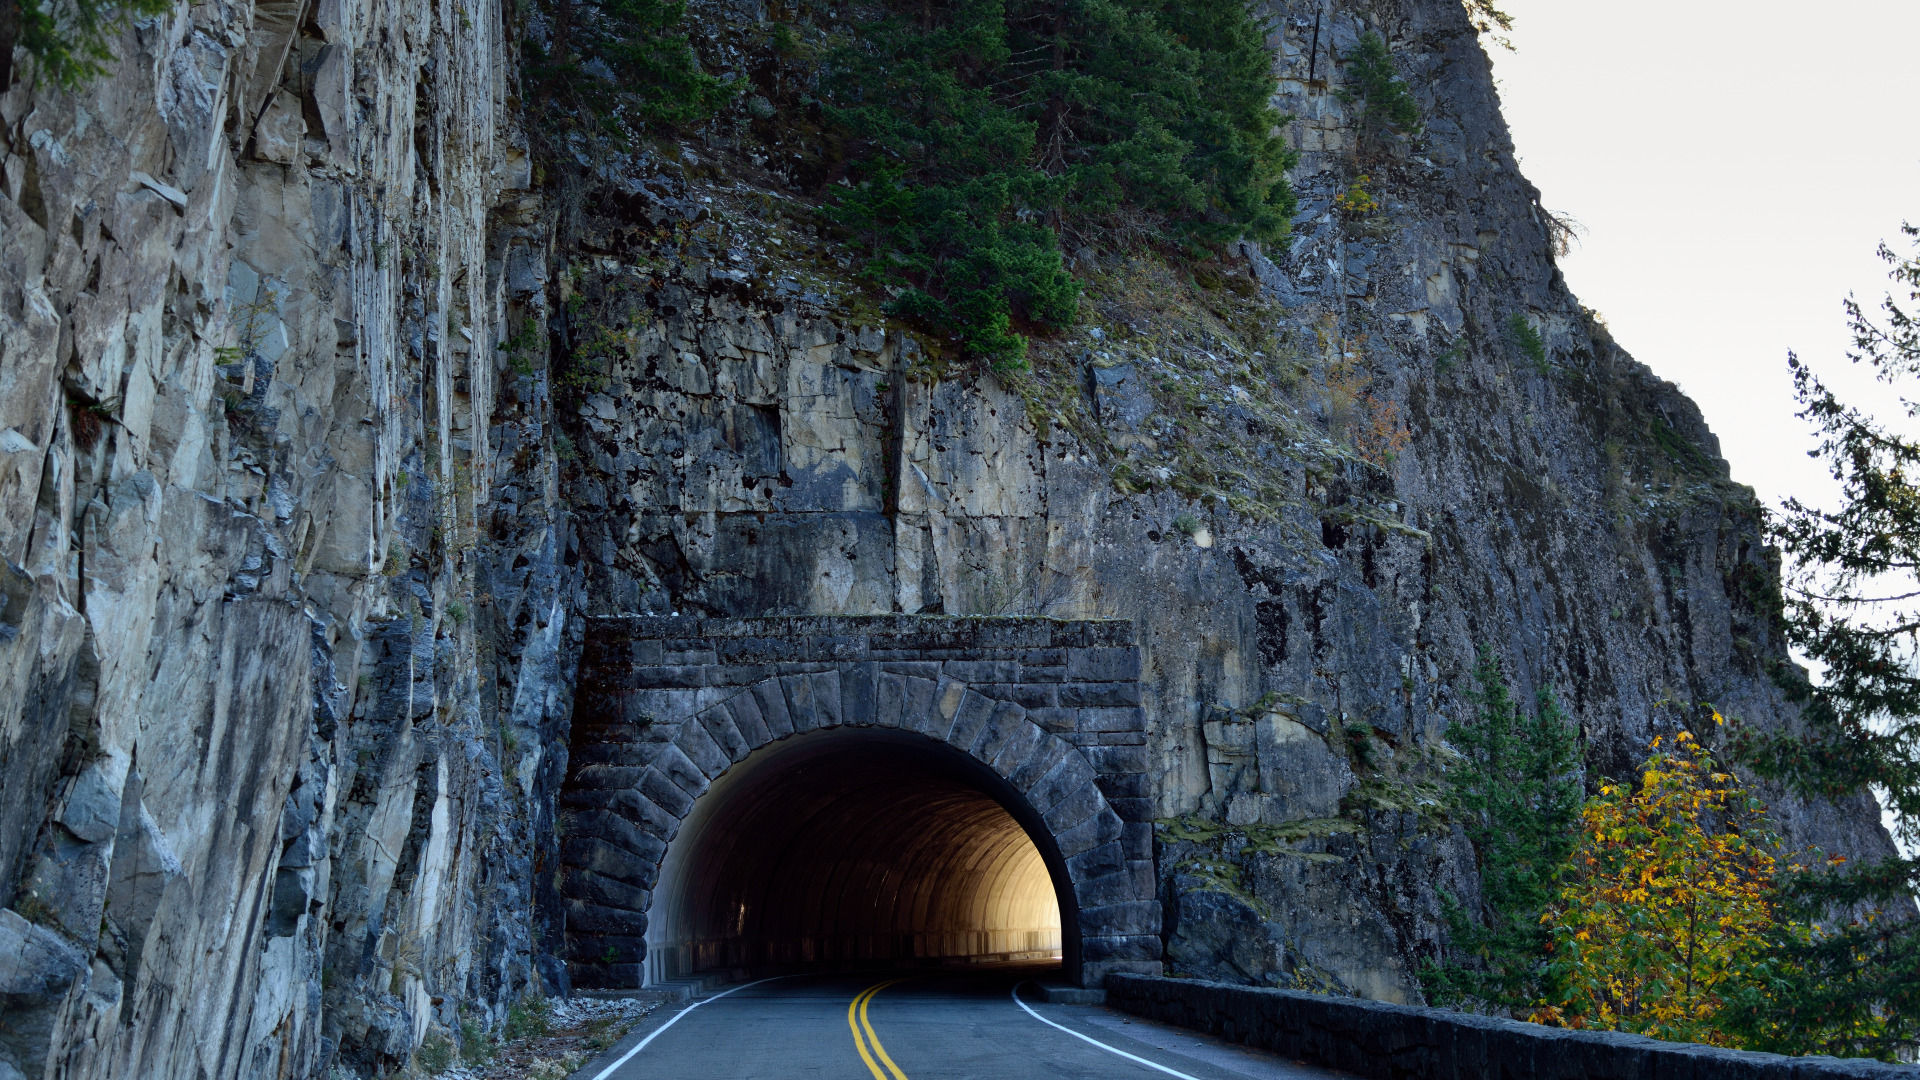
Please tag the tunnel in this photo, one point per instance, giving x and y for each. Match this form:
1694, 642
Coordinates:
858, 847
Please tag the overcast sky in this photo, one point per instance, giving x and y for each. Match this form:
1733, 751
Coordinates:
1735, 165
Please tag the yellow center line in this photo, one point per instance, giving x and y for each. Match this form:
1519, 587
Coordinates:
863, 1033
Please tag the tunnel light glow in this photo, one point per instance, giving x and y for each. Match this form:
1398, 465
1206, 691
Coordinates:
844, 847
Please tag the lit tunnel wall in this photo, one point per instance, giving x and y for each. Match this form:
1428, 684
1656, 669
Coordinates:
847, 846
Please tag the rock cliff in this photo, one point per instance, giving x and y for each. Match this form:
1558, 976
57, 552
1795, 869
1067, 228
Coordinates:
328, 411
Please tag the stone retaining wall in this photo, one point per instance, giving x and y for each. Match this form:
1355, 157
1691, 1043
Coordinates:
667, 704
1390, 1042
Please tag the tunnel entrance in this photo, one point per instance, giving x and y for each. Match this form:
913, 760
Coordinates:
848, 847
843, 790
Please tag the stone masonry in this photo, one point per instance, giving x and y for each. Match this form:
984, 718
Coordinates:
668, 704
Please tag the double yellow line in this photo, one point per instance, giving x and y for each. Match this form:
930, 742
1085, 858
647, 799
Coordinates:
863, 1033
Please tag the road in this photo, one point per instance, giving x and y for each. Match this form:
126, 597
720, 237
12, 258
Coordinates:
948, 1025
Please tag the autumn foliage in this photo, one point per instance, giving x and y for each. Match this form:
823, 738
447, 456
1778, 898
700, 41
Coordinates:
1669, 904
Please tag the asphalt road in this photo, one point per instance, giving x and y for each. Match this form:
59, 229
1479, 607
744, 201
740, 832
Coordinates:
939, 1026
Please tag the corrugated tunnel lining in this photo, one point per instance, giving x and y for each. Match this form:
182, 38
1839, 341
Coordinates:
850, 846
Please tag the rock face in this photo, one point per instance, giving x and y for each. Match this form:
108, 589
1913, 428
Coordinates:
298, 546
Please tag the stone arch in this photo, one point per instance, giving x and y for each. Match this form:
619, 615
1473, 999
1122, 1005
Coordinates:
651, 741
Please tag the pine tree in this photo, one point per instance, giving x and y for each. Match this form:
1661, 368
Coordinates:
615, 61
988, 129
1517, 791
67, 39
1853, 986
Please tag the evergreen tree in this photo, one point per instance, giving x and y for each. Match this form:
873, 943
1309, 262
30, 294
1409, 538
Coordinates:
988, 128
1853, 986
1517, 790
67, 39
1376, 87
621, 60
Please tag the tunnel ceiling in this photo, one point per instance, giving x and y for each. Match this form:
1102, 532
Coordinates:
852, 845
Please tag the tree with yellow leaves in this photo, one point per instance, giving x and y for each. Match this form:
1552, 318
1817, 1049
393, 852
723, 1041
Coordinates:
1669, 903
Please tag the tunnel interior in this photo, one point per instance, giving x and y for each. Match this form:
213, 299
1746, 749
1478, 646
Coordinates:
858, 847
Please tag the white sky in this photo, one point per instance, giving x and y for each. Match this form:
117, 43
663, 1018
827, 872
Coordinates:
1735, 165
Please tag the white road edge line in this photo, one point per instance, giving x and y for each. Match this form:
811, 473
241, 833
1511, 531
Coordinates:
1077, 1035
655, 1033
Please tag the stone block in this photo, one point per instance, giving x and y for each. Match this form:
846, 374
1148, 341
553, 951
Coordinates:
759, 650
632, 805
1100, 696
1097, 862
799, 695
1017, 748
1006, 720
1036, 695
1134, 881
858, 686
593, 948
1045, 659
1083, 802
606, 777
666, 794
1113, 719
600, 857
719, 725
1132, 918
935, 719
702, 751
772, 700
1091, 833
1047, 752
826, 699
1126, 785
600, 889
668, 677
745, 710
981, 671
1109, 760
1058, 721
1104, 664
614, 829
919, 669
1132, 809
1121, 947
1136, 839
1070, 775
970, 719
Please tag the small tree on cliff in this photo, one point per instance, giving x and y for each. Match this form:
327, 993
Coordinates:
1853, 608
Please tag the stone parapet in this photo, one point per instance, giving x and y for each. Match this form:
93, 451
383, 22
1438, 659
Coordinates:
1402, 1042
